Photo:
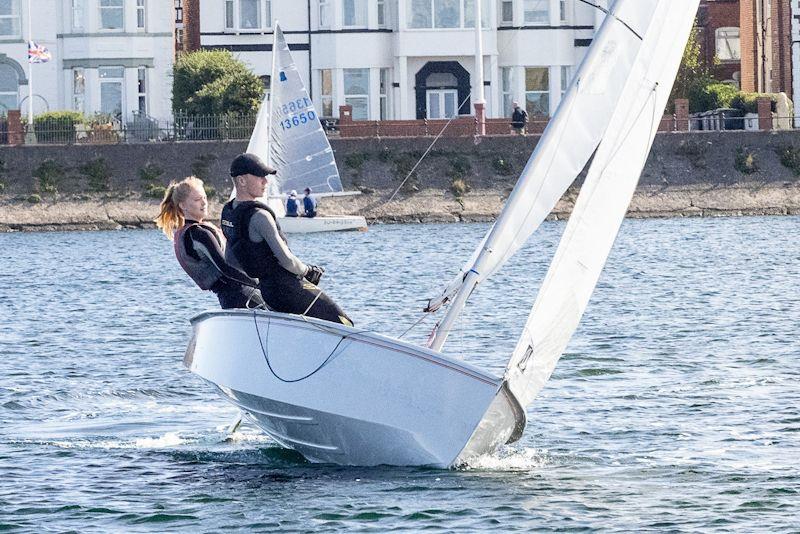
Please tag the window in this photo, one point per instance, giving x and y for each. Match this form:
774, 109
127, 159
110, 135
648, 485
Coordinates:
355, 13
562, 10
446, 13
111, 79
140, 14
507, 89
249, 15
324, 14
78, 89
326, 92
178, 11
77, 15
381, 4
383, 94
111, 14
537, 11
9, 89
728, 45
356, 92
229, 14
9, 18
141, 89
506, 12
537, 91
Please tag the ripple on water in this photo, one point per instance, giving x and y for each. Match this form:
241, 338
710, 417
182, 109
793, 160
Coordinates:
682, 375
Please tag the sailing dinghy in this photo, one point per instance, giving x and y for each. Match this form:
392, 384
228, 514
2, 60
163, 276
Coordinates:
289, 136
359, 398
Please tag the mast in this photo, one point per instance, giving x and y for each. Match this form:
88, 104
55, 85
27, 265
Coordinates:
561, 153
480, 101
271, 92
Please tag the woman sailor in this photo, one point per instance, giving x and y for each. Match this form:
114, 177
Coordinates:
200, 246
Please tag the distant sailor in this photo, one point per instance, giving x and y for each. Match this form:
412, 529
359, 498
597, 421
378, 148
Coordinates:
309, 204
257, 244
200, 246
292, 205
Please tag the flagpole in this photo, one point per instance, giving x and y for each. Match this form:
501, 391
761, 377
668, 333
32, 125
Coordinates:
30, 67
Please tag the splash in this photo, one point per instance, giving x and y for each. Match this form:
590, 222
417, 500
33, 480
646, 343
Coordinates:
511, 459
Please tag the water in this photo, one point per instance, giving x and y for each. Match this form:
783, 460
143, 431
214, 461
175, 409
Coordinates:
676, 406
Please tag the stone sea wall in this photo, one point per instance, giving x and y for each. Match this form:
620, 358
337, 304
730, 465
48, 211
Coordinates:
461, 179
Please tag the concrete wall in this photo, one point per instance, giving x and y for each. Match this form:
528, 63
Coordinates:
677, 159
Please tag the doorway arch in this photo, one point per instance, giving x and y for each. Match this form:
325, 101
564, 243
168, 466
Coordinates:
433, 73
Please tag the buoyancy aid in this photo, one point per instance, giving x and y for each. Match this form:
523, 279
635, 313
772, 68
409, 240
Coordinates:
257, 259
199, 269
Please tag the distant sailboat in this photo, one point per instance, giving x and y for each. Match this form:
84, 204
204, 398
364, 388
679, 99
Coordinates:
359, 398
289, 135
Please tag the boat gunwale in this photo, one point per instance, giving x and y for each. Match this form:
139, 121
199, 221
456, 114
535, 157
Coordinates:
364, 336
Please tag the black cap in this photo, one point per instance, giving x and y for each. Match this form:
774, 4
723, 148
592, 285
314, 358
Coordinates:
250, 164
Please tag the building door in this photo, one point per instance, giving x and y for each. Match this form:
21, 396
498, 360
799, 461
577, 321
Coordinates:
442, 103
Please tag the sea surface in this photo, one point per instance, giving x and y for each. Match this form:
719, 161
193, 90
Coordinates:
675, 408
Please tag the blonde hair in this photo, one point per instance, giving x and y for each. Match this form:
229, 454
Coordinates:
171, 216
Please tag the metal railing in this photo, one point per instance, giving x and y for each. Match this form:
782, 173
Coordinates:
141, 128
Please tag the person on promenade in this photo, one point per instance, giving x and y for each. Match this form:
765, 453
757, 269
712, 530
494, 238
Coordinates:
519, 119
200, 246
257, 244
309, 204
292, 205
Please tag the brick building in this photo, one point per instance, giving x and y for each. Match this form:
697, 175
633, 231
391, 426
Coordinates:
718, 32
766, 41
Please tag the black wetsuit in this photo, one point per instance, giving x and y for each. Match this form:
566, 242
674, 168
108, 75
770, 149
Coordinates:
202, 257
283, 290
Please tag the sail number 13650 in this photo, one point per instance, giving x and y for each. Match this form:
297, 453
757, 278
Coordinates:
296, 119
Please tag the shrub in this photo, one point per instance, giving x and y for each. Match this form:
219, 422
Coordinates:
2, 187
210, 190
745, 161
403, 163
49, 175
155, 191
748, 102
790, 158
34, 199
57, 126
712, 96
502, 166
99, 174
694, 151
459, 187
211, 82
150, 172
460, 166
356, 161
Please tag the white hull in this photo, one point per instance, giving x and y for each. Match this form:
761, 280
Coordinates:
304, 225
339, 395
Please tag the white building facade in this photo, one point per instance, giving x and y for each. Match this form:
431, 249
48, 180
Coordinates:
412, 59
108, 56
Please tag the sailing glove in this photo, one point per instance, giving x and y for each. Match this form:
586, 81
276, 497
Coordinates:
314, 273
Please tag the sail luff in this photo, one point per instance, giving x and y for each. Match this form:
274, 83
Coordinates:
601, 204
561, 153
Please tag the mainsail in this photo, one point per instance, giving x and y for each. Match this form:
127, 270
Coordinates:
288, 133
601, 204
566, 146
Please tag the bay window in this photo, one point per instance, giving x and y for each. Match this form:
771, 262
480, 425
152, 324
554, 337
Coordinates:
9, 89
140, 15
77, 15
324, 14
78, 89
111, 81
326, 92
247, 15
355, 13
446, 14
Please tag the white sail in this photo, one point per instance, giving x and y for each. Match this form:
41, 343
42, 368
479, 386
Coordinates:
601, 204
288, 133
566, 146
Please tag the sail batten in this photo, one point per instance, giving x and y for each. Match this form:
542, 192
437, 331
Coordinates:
601, 204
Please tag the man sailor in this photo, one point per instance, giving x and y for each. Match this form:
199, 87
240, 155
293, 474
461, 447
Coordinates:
257, 245
292, 205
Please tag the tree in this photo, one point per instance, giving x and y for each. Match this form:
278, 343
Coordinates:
210, 82
693, 76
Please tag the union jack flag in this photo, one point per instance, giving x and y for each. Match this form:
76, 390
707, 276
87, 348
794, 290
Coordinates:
38, 53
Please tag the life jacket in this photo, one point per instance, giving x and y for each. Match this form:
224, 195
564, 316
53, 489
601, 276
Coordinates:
199, 269
257, 259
